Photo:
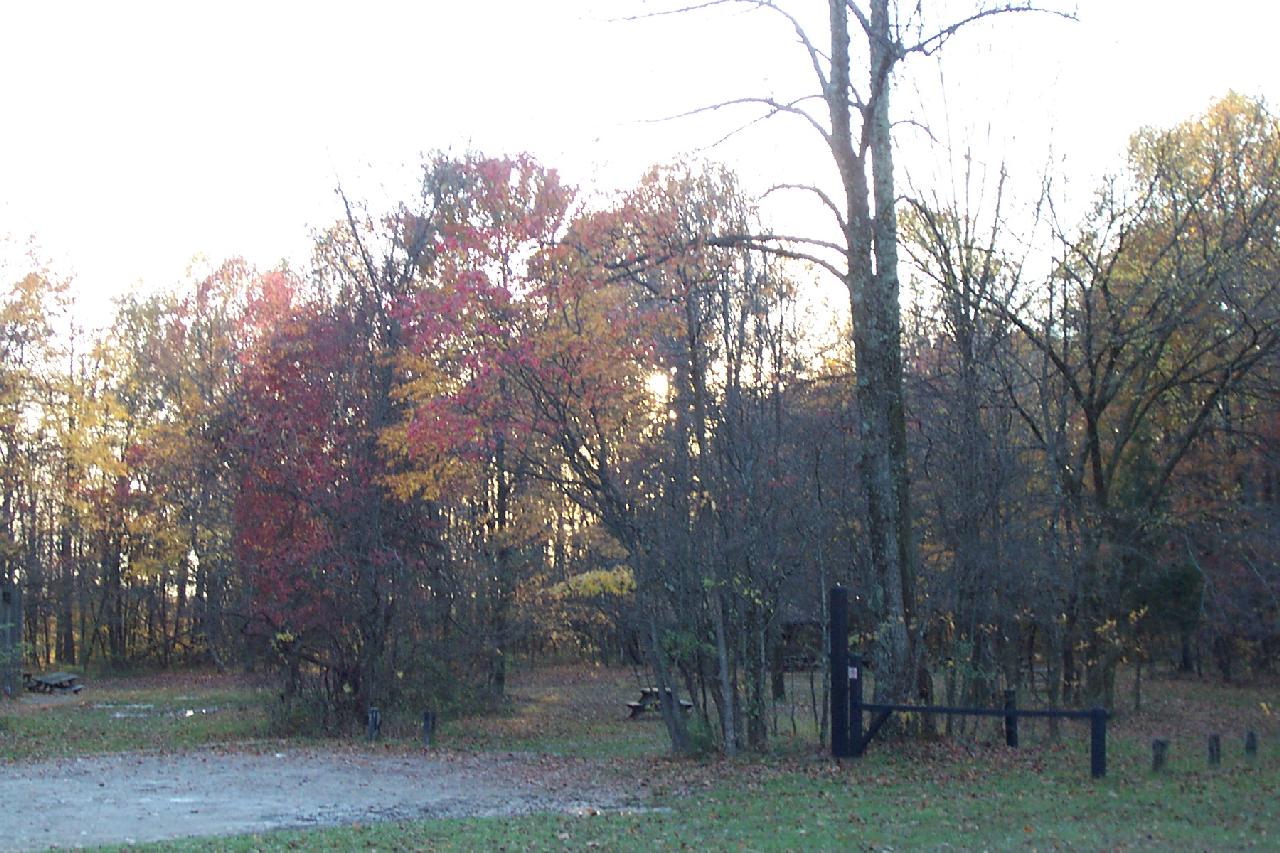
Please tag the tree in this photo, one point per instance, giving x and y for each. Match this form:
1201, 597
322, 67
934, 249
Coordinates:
857, 132
29, 307
1144, 344
208, 411
975, 491
492, 228
630, 361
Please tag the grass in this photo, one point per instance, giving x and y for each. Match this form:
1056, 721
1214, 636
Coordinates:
576, 711
166, 712
933, 795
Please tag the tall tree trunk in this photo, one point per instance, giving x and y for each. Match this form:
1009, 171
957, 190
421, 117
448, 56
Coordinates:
64, 633
726, 702
672, 716
872, 281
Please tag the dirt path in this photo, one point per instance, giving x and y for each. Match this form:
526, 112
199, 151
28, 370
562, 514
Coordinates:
132, 798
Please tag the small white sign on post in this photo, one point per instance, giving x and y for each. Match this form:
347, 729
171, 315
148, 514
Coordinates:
853, 673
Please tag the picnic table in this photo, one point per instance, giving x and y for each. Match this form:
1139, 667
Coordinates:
53, 682
649, 701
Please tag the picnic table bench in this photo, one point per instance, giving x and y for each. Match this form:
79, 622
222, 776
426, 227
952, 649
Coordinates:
53, 682
649, 701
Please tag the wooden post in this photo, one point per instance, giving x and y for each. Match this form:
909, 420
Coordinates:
1010, 719
1215, 749
1097, 742
1250, 745
375, 723
1159, 754
839, 658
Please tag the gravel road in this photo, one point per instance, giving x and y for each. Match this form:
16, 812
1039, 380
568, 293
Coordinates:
129, 798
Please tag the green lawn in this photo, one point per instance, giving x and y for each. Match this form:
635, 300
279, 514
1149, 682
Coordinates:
123, 714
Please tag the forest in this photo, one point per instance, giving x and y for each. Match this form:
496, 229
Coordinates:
499, 419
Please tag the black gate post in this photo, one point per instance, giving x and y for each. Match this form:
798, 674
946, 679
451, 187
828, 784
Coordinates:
1010, 719
856, 746
1097, 742
839, 659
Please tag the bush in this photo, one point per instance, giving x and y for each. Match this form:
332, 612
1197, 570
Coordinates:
306, 710
702, 739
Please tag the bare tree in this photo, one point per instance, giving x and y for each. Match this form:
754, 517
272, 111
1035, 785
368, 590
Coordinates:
854, 89
1143, 342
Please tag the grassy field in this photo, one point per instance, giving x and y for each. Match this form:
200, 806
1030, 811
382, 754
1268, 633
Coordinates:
161, 712
934, 795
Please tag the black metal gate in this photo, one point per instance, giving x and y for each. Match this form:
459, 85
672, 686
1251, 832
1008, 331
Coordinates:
850, 740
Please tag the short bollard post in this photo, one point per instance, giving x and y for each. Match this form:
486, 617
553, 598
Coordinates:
1250, 745
428, 727
1159, 754
375, 723
1010, 719
1097, 742
1215, 749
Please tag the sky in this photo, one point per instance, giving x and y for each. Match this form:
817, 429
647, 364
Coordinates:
137, 136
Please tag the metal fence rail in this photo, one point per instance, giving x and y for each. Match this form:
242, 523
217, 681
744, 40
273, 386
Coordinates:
849, 740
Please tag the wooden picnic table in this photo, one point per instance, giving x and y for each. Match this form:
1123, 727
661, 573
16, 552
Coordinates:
649, 700
61, 682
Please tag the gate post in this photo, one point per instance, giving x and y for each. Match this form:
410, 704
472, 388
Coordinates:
1010, 719
856, 746
1097, 742
839, 662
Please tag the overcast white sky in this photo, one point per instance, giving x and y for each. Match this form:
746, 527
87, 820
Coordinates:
134, 136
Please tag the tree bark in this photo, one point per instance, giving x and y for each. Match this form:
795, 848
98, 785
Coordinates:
871, 259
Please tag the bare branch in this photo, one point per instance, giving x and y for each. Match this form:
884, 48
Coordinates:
826, 199
783, 238
775, 107
816, 56
863, 20
365, 257
767, 243
934, 43
631, 267
681, 10
918, 125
